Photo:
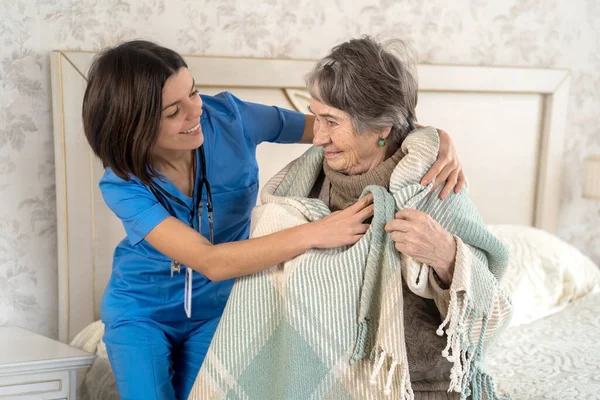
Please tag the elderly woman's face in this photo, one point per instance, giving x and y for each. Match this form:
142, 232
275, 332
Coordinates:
345, 150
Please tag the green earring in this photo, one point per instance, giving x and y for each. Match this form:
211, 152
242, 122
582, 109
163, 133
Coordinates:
381, 142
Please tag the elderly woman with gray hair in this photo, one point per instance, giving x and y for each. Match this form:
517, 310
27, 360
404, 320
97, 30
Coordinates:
410, 309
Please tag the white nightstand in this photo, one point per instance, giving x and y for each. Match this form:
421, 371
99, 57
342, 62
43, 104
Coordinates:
36, 367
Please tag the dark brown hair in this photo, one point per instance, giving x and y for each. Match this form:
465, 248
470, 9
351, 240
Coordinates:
122, 105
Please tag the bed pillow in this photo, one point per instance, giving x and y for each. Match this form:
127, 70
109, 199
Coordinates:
544, 273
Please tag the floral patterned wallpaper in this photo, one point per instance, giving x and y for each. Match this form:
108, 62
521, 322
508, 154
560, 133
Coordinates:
540, 33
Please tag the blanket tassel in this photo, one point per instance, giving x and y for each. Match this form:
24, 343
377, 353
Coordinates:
406, 392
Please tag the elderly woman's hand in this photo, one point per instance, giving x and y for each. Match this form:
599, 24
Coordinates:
446, 168
421, 237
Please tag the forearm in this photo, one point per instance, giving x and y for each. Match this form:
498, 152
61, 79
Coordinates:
282, 237
443, 259
230, 260
179, 242
308, 134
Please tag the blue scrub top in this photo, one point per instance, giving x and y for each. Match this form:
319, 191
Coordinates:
140, 285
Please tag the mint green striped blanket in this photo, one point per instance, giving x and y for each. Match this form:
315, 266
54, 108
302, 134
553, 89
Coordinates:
329, 324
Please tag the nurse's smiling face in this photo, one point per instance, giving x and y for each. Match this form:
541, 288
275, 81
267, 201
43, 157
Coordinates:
180, 127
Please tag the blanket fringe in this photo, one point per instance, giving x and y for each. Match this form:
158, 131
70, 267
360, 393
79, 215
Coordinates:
466, 375
455, 321
406, 392
483, 388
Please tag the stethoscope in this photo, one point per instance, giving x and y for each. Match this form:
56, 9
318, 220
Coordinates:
160, 195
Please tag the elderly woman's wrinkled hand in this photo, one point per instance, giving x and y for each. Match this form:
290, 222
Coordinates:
419, 236
446, 169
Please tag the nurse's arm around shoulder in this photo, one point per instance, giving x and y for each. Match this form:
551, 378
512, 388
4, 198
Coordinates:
218, 262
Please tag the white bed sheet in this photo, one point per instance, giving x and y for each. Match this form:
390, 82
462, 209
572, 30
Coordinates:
557, 357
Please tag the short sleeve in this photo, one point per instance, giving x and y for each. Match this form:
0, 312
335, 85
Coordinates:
262, 123
134, 204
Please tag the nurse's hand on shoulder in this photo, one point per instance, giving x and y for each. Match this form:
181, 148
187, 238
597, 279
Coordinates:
446, 170
343, 227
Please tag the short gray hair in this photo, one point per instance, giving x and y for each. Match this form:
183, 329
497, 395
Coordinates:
375, 83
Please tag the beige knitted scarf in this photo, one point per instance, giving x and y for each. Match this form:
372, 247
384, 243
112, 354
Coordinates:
340, 191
